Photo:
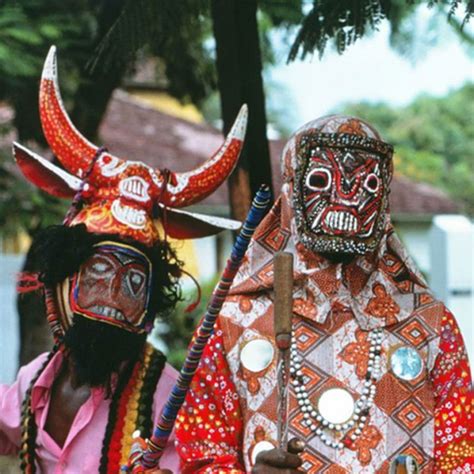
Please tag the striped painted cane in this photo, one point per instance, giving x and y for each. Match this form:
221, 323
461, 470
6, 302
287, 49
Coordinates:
162, 431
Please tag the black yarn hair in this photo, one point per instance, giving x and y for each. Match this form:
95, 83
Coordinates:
98, 351
58, 251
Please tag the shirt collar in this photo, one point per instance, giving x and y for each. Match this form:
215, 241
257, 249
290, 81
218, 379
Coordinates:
45, 381
43, 386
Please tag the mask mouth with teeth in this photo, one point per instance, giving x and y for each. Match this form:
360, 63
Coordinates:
113, 286
340, 193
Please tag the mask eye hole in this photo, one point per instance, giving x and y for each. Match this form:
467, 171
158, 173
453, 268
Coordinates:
372, 183
99, 266
318, 179
136, 280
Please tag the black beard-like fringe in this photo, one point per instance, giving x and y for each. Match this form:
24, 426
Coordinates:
97, 351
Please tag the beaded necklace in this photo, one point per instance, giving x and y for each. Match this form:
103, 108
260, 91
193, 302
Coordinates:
345, 432
130, 410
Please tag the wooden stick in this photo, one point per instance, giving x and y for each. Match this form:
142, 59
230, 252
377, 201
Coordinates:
282, 316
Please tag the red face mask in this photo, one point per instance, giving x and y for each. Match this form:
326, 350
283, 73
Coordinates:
341, 198
343, 192
113, 286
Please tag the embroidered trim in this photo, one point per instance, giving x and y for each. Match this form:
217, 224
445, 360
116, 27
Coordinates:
347, 140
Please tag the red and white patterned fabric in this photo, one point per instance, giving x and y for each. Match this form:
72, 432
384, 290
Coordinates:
229, 409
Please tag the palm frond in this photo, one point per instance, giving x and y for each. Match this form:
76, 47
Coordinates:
142, 22
346, 21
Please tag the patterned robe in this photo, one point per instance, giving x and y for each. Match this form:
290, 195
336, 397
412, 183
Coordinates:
429, 418
230, 408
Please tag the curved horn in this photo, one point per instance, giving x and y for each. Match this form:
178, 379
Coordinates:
73, 150
181, 224
44, 174
193, 186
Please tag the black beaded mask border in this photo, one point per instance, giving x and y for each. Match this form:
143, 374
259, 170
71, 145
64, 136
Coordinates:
344, 140
335, 244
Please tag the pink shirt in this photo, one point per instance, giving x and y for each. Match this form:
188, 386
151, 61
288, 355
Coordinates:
82, 450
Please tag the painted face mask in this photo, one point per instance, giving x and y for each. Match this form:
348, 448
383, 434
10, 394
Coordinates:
113, 286
341, 189
129, 199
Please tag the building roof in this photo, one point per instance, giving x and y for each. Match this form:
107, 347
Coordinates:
134, 130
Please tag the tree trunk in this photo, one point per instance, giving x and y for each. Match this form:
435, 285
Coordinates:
96, 87
239, 69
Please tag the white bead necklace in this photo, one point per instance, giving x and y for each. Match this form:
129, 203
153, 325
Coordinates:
320, 424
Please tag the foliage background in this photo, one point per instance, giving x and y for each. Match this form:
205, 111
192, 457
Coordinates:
434, 139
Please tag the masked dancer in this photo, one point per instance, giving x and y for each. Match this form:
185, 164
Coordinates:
105, 273
379, 377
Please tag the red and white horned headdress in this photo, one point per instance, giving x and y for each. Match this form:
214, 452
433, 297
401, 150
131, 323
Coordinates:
118, 196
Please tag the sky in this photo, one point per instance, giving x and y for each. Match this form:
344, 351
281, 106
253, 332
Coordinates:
371, 70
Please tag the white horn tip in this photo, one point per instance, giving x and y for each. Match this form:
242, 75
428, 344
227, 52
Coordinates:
15, 147
240, 124
49, 68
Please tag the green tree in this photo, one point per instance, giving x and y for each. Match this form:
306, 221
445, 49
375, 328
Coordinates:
434, 139
346, 21
27, 29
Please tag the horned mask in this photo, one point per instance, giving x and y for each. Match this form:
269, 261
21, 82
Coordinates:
113, 195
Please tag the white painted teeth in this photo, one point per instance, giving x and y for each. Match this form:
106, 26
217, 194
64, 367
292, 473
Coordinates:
109, 312
341, 220
135, 188
316, 220
135, 218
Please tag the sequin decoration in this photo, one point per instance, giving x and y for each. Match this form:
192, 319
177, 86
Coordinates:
406, 363
404, 464
257, 355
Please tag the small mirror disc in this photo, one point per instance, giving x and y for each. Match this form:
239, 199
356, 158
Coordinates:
336, 405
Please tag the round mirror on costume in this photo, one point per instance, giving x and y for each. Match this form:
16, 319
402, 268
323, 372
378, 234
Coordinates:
406, 363
257, 355
336, 405
404, 464
260, 447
